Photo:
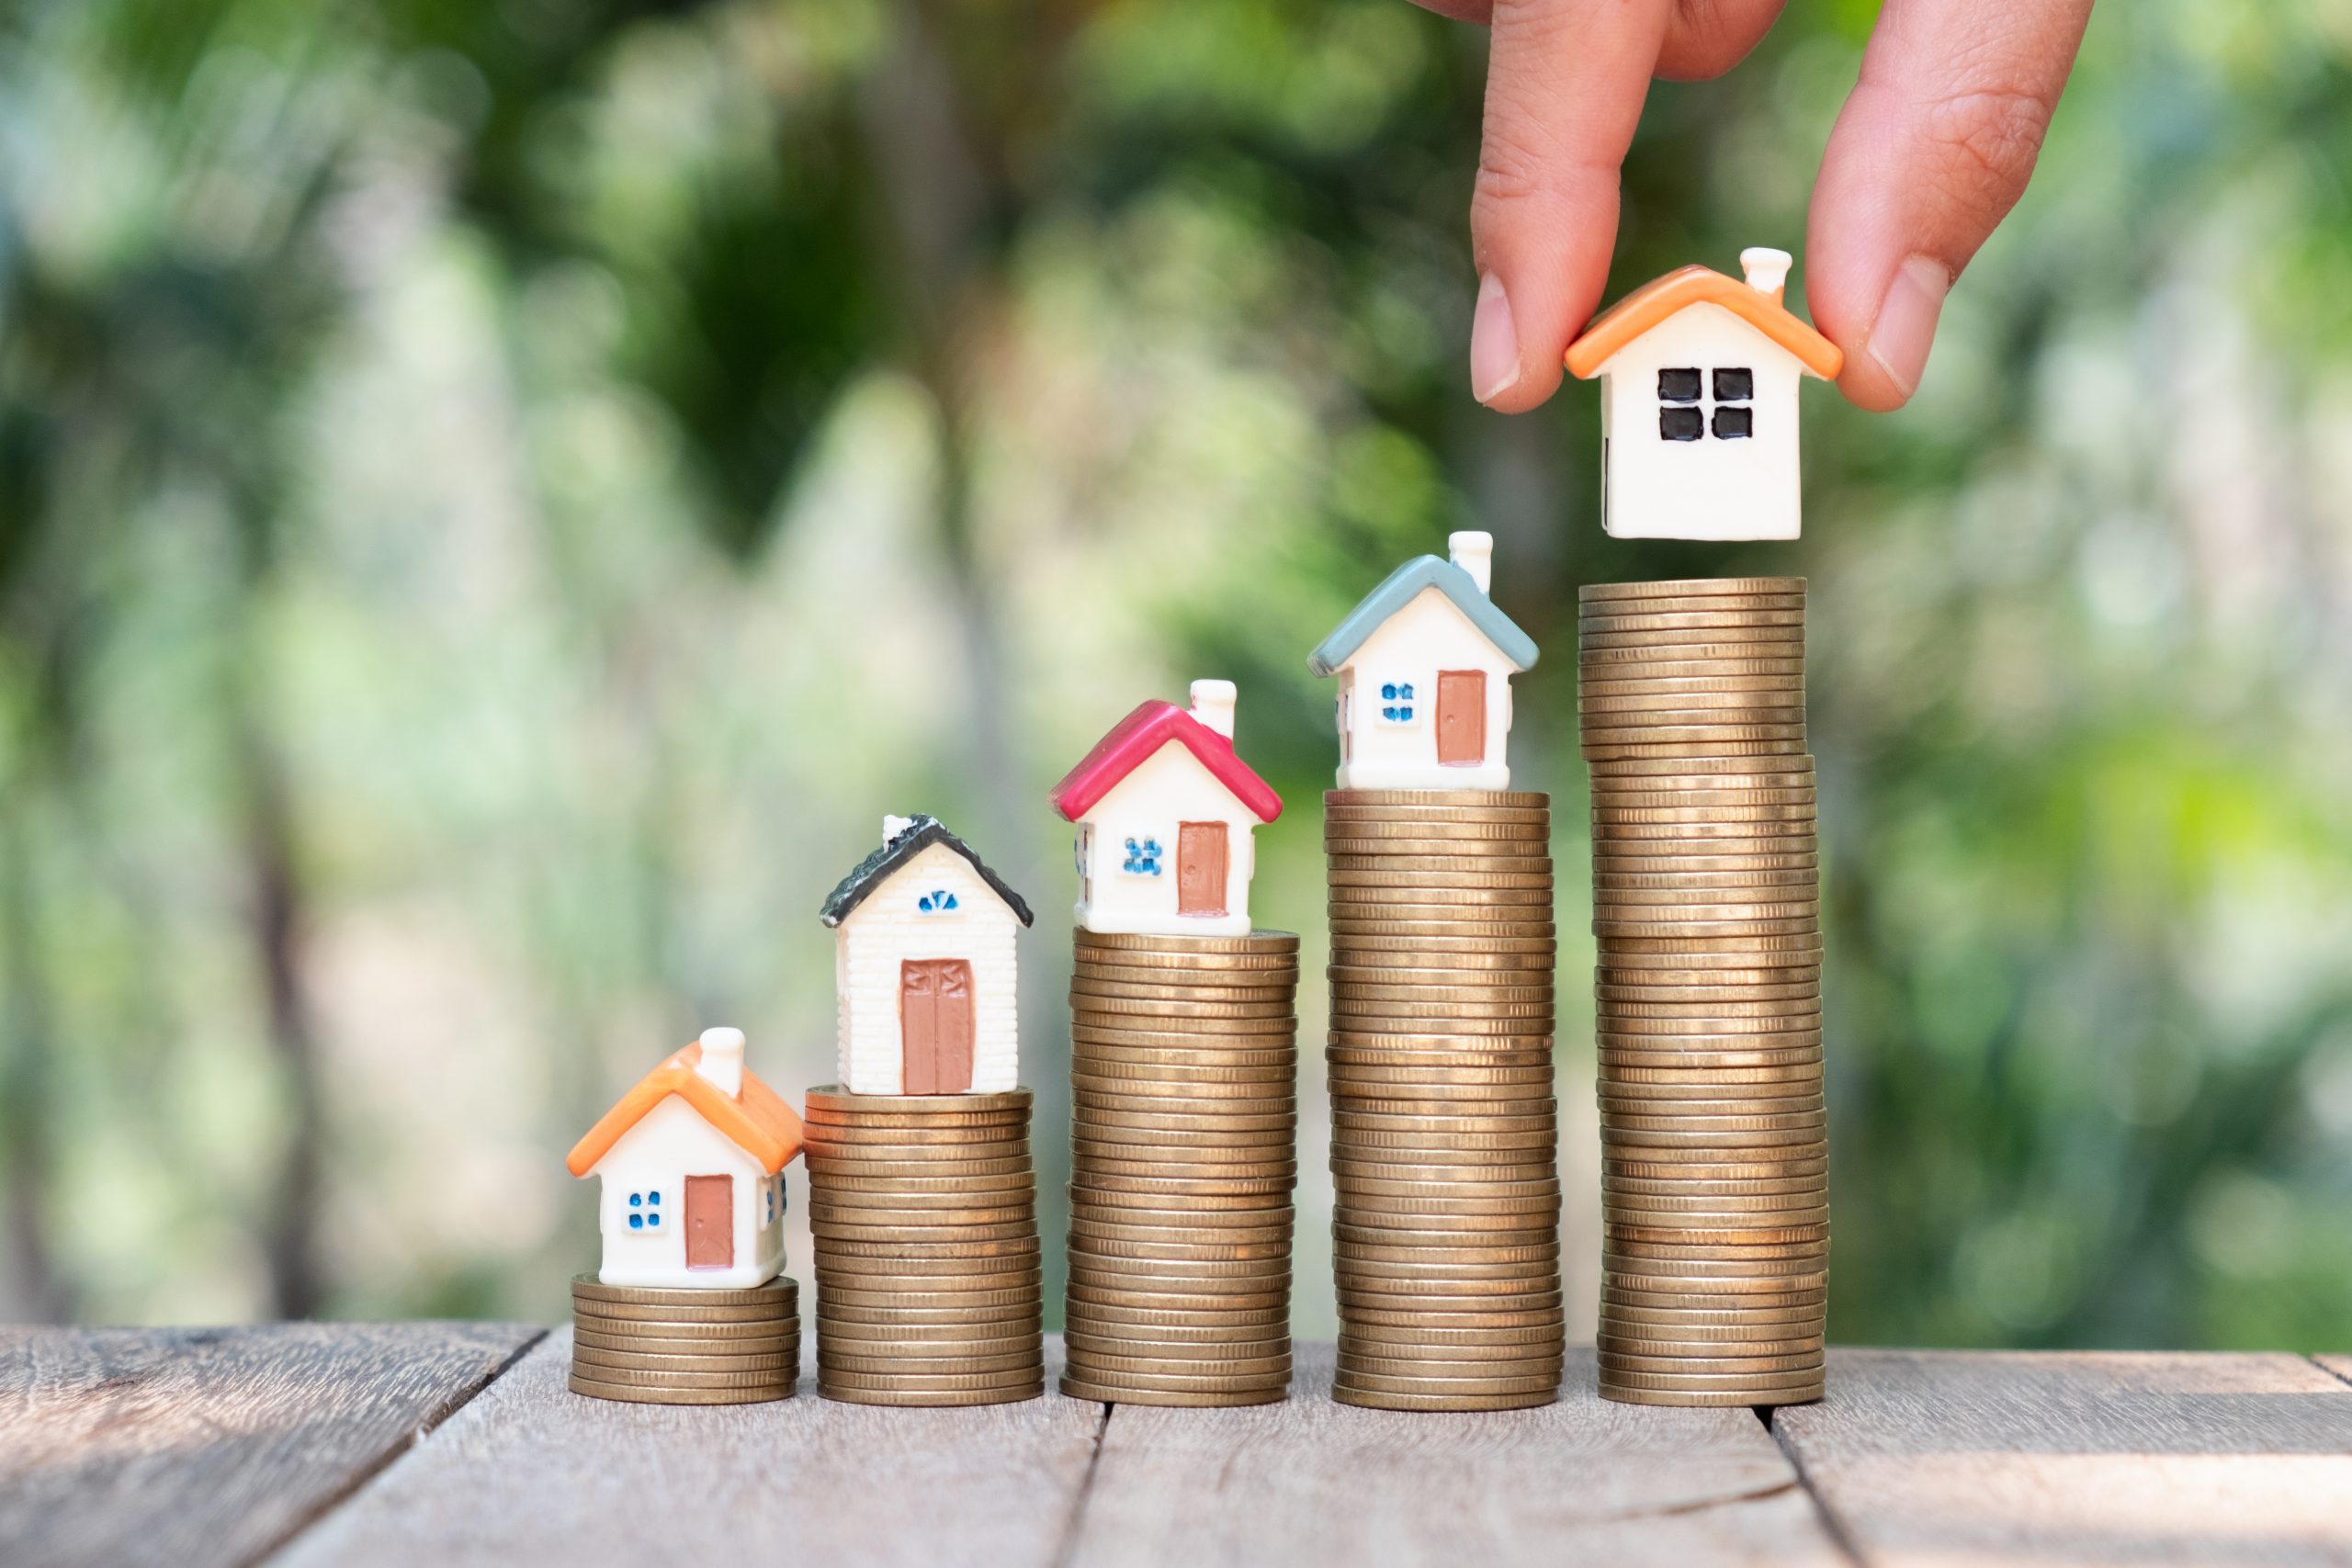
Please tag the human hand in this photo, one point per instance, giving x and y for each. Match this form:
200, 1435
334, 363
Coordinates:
1933, 148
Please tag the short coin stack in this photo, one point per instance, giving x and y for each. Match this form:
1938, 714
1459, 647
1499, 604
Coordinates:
924, 1213
1444, 1135
1184, 1152
1706, 907
648, 1345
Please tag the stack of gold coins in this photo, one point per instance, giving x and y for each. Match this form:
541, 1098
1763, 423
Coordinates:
1184, 1125
1445, 1137
924, 1213
1706, 904
650, 1344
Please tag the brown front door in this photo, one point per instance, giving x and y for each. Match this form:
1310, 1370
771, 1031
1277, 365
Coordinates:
1200, 868
710, 1222
1462, 717
936, 1024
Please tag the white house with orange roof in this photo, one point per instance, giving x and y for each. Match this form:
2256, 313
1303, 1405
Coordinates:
1699, 377
1165, 810
692, 1164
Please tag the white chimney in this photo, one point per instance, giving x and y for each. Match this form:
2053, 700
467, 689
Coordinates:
1767, 269
894, 825
722, 1060
1213, 705
1473, 551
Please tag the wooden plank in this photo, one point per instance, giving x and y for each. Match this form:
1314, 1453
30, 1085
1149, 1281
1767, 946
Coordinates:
197, 1447
531, 1473
2340, 1365
1952, 1457
1310, 1483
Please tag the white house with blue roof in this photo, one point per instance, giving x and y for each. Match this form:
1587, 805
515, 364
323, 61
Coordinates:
1424, 666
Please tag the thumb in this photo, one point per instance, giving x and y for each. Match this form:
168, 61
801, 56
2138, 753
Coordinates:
1564, 84
1928, 156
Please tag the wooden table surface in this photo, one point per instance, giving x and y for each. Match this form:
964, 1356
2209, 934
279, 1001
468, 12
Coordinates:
432, 1445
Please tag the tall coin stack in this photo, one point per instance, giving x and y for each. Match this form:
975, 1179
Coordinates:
1184, 1127
1444, 1134
648, 1345
1706, 905
924, 1213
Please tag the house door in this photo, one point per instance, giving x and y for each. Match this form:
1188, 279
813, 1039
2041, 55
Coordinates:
710, 1222
1200, 868
936, 1025
1462, 717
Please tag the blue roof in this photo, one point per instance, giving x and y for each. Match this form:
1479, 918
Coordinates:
1422, 571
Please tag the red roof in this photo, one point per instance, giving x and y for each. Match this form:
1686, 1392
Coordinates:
1144, 732
759, 1120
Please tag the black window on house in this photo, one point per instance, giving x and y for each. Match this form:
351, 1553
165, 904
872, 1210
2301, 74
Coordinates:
1729, 413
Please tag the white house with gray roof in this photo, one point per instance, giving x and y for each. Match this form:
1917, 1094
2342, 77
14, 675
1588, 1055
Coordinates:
1424, 666
924, 968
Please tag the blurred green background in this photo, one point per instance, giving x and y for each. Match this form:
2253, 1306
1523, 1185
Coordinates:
499, 497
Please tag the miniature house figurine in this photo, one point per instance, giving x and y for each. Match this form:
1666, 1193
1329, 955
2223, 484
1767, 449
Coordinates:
1164, 811
692, 1164
924, 966
1698, 402
1425, 665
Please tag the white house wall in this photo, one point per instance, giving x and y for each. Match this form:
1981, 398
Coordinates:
1169, 787
1708, 489
670, 1143
886, 929
1425, 635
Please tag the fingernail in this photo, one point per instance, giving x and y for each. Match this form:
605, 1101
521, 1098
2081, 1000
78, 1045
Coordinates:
1906, 328
1493, 344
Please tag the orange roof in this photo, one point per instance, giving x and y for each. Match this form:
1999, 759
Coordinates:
1653, 301
768, 1128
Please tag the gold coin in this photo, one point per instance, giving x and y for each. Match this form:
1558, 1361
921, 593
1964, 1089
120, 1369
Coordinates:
932, 1399
1652, 991
886, 1362
1655, 1098
1084, 990
1644, 1166
1490, 861
1407, 986
1200, 1278
842, 1252
1509, 832
925, 1229
1772, 1383
687, 1338
1101, 1246
630, 1394
1374, 947
1182, 1127
1795, 787
1727, 1325
986, 1123
1743, 706
1530, 936
1365, 1078
1105, 1368
1475, 1170
1137, 1006
1111, 1393
1434, 1053
1439, 855
1667, 726
1207, 1058
1499, 799
774, 1295
833, 1098
1715, 1003
1354, 1363
1240, 1085
923, 1210
1699, 1297
639, 1377
1596, 622
1087, 1193
1353, 1297
1710, 1057
970, 1142
1677, 868
1205, 1342
1715, 750
587, 1356
1611, 769
930, 1383
1367, 1382
1184, 1100
1385, 966
625, 1314
1367, 1319
1255, 941
1767, 940
1696, 677
1369, 1224
1096, 1166
1273, 1317
1369, 1400
840, 1185
1686, 588
1706, 1199
1244, 1227
1478, 1101
1635, 1109
1187, 1190
1141, 962
1273, 1302
891, 1303
1447, 1273
991, 1335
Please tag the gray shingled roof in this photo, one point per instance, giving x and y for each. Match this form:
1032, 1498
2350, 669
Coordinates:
1422, 571
874, 870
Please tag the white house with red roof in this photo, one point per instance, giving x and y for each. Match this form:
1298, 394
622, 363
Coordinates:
1699, 376
692, 1164
1165, 810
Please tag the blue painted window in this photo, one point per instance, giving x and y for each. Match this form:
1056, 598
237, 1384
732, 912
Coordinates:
1397, 705
1144, 856
938, 901
641, 1219
636, 1221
